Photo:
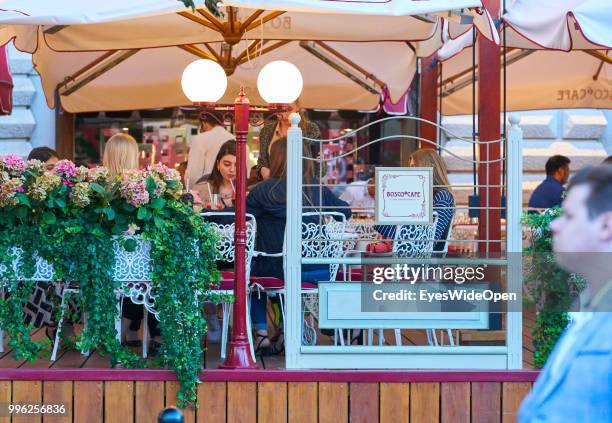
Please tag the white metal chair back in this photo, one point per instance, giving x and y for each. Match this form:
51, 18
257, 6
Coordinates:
225, 248
415, 241
324, 237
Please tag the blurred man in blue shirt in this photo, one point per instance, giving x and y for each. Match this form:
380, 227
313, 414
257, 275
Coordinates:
550, 192
576, 383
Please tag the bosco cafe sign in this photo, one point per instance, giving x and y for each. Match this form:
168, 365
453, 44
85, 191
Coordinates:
404, 195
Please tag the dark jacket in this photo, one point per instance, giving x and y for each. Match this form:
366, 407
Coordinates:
267, 202
548, 194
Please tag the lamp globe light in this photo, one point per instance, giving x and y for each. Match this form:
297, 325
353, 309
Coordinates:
204, 81
280, 82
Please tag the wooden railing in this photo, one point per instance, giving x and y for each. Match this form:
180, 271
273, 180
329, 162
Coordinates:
118, 396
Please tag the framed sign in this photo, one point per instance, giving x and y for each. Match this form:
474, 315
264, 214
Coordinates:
404, 195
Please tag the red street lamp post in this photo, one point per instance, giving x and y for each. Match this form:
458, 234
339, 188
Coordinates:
204, 83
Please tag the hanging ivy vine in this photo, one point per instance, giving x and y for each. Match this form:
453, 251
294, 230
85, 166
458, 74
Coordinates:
72, 218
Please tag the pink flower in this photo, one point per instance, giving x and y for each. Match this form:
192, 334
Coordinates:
8, 189
134, 188
14, 165
66, 169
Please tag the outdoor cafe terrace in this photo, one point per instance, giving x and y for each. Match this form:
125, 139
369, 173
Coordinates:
94, 243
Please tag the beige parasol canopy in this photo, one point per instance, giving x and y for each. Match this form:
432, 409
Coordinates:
535, 79
538, 79
108, 56
559, 25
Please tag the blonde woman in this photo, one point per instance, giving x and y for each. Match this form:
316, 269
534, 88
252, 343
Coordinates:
443, 200
120, 154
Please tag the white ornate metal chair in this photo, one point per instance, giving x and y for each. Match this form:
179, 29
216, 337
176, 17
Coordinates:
133, 270
322, 238
410, 241
44, 273
225, 251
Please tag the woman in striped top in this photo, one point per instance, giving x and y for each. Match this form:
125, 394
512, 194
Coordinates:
443, 200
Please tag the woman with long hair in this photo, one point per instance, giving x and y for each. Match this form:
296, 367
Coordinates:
277, 129
443, 200
222, 179
120, 154
268, 203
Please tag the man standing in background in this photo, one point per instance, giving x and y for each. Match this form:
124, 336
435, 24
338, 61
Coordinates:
550, 192
205, 146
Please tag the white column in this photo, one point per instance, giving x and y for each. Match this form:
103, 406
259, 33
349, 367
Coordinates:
514, 326
293, 244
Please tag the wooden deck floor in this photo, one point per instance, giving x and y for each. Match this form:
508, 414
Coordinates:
71, 359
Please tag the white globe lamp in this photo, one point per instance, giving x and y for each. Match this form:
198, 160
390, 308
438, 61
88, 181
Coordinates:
280, 82
204, 81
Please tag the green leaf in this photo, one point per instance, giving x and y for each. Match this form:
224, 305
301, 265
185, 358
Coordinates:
158, 221
150, 186
21, 212
142, 213
23, 199
60, 202
49, 218
158, 203
109, 212
97, 188
128, 207
118, 229
130, 245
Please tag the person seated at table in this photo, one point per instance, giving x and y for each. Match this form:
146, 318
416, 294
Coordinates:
221, 181
443, 200
46, 155
120, 154
358, 195
268, 203
277, 129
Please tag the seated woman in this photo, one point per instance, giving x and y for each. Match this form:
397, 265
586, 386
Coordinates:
120, 154
221, 180
443, 200
219, 183
268, 203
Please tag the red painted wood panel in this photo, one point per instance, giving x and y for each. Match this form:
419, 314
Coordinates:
364, 403
486, 402
455, 402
